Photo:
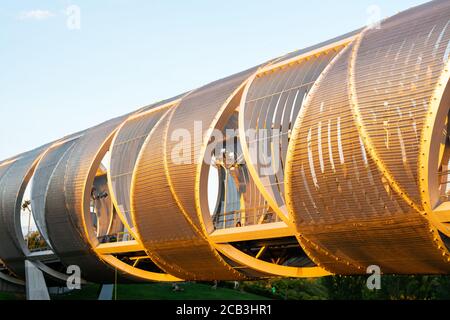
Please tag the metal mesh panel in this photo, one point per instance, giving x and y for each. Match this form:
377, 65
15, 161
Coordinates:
41, 179
318, 46
201, 106
12, 187
339, 195
64, 205
272, 105
396, 73
124, 153
170, 227
351, 175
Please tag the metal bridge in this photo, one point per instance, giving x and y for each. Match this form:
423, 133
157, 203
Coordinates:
324, 161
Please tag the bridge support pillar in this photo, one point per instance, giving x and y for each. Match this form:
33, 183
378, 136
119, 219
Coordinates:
36, 287
107, 292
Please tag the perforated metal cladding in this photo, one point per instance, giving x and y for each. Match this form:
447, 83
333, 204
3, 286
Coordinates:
272, 104
3, 171
4, 167
318, 46
353, 175
202, 107
169, 238
339, 196
41, 180
64, 203
12, 187
396, 72
124, 153
179, 242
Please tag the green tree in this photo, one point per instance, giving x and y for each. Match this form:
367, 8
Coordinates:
35, 241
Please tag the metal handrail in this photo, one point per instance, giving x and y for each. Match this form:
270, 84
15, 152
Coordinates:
116, 237
252, 219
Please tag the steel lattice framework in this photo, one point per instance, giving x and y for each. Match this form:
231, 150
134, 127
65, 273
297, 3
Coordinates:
358, 127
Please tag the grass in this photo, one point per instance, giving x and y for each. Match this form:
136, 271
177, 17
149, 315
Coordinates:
11, 296
162, 291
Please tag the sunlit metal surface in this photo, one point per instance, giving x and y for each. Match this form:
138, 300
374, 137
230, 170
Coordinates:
329, 159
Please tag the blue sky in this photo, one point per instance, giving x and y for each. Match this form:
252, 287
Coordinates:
55, 80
